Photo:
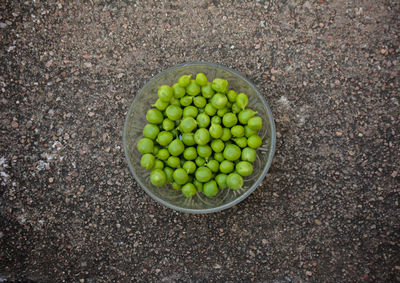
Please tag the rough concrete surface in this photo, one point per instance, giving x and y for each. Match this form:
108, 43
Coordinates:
328, 210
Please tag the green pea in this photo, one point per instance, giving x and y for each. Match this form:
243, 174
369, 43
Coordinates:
178, 91
190, 111
188, 139
156, 148
176, 186
145, 145
199, 101
219, 156
242, 100
203, 174
232, 152
216, 120
189, 190
244, 168
217, 145
150, 131
165, 93
175, 101
213, 165
180, 176
215, 131
210, 110
231, 96
219, 100
184, 80
245, 115
202, 136
158, 164
220, 85
207, 91
168, 172
210, 189
255, 123
186, 100
222, 112
160, 105
249, 154
176, 147
226, 134
221, 181
164, 138
226, 166
201, 79
147, 161
168, 125
234, 181
189, 166
204, 151
174, 132
203, 120
200, 161
198, 185
254, 141
154, 116
193, 88
241, 142
173, 112
173, 162
187, 125
229, 120
236, 108
248, 132
237, 131
158, 177
190, 153
163, 154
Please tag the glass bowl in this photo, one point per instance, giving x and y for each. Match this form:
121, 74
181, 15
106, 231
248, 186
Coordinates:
135, 121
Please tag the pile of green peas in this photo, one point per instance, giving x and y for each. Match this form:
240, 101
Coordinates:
200, 137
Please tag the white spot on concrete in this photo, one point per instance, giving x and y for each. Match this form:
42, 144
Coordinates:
3, 162
21, 219
284, 100
10, 48
302, 115
56, 145
41, 165
4, 176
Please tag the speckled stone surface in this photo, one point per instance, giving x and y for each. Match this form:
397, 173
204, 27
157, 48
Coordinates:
328, 210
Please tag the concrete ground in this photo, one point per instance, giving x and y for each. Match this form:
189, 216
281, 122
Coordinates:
328, 210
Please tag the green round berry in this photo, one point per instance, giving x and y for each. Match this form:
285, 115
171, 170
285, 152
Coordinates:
165, 93
193, 88
150, 131
220, 85
234, 181
145, 145
184, 80
201, 79
154, 116
207, 91
158, 178
147, 161
210, 189
189, 190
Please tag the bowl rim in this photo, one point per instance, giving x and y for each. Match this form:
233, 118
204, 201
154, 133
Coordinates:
241, 197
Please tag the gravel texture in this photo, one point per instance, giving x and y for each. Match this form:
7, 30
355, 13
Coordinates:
328, 210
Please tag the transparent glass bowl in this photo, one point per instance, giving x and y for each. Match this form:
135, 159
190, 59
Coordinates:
136, 120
